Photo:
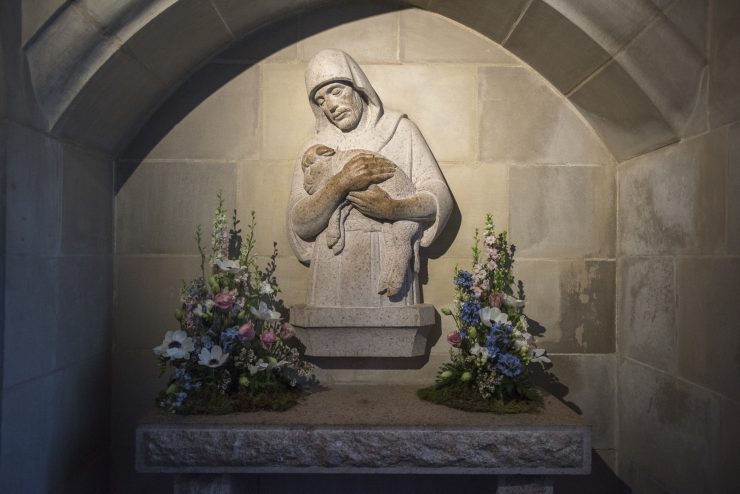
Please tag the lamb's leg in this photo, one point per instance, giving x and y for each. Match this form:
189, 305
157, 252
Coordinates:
400, 254
335, 228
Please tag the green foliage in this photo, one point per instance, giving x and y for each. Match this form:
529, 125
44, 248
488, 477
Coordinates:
462, 397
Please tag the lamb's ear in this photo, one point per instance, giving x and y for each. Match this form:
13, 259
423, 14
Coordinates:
325, 151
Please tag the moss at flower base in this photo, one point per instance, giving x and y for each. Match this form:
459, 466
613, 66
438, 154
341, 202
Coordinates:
463, 397
273, 396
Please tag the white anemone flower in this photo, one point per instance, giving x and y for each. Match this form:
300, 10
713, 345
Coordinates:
538, 355
516, 303
176, 344
212, 358
264, 313
266, 288
491, 315
260, 365
480, 352
228, 266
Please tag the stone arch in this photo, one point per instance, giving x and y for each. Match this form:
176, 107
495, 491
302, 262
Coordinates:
602, 55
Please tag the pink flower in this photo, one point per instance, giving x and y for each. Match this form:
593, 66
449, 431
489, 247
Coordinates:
454, 339
496, 299
223, 300
246, 331
267, 339
477, 291
287, 332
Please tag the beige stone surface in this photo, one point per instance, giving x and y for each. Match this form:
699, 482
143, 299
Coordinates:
646, 325
287, 121
439, 99
570, 303
708, 292
479, 189
523, 119
264, 187
451, 42
214, 115
623, 115
733, 190
97, 117
673, 200
87, 202
293, 278
242, 17
555, 47
275, 42
368, 39
588, 384
610, 23
159, 206
35, 14
724, 92
141, 324
671, 72
562, 211
171, 45
491, 19
34, 193
664, 424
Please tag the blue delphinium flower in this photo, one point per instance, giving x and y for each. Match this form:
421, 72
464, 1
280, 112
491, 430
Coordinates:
184, 377
228, 336
179, 399
464, 280
207, 342
469, 313
509, 365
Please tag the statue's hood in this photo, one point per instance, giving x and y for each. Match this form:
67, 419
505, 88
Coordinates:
337, 66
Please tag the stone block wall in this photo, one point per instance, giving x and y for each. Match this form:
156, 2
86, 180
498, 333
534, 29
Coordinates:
678, 277
507, 141
56, 203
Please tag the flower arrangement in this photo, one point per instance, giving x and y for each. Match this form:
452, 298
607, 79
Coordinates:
232, 352
492, 346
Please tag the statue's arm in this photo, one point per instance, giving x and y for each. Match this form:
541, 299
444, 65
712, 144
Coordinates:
432, 200
377, 203
311, 214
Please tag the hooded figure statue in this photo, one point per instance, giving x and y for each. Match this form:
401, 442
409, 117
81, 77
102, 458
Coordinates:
371, 145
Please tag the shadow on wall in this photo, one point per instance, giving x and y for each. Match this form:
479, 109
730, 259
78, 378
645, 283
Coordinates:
257, 45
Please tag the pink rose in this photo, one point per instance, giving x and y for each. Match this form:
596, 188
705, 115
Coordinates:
246, 331
267, 339
454, 339
496, 299
223, 300
287, 332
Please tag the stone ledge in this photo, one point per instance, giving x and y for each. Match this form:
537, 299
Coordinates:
367, 429
363, 331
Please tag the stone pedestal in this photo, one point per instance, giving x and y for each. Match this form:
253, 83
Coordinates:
363, 331
366, 429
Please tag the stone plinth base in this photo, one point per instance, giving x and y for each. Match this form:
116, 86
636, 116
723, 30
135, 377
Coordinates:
363, 332
366, 429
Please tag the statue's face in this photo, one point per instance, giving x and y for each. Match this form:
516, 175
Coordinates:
341, 104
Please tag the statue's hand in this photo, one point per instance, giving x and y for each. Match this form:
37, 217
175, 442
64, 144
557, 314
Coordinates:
364, 170
374, 202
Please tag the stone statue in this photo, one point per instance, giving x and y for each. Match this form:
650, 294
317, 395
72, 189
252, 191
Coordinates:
366, 194
400, 238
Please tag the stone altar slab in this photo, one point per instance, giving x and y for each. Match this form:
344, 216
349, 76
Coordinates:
367, 429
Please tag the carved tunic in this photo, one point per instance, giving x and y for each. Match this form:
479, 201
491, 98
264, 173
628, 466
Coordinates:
350, 278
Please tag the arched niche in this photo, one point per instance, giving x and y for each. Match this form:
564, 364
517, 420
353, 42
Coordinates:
636, 71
